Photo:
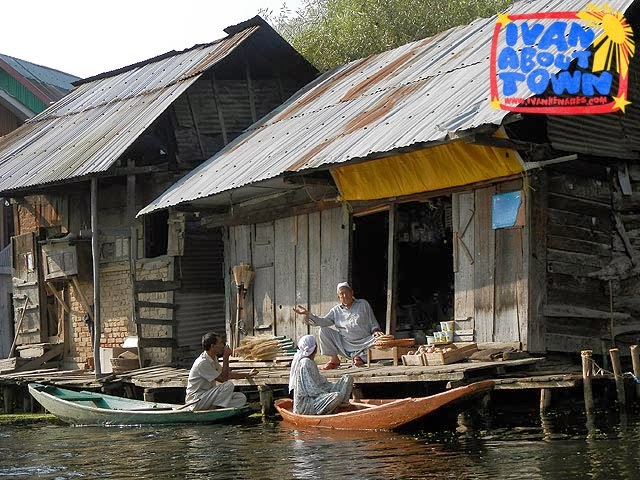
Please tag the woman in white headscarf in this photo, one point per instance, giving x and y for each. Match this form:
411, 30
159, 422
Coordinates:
312, 393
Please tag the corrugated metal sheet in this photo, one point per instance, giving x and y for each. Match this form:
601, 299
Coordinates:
86, 131
201, 297
422, 93
48, 84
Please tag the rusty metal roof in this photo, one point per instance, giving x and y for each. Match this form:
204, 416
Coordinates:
86, 131
420, 94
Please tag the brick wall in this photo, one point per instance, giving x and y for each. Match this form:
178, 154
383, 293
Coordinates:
160, 268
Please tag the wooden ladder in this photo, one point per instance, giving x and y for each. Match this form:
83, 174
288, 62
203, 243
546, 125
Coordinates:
153, 286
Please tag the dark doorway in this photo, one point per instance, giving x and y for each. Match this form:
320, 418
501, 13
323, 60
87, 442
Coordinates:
369, 269
425, 282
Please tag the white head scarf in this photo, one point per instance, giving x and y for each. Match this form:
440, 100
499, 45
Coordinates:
342, 285
306, 346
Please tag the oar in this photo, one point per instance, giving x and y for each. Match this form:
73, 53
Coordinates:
187, 404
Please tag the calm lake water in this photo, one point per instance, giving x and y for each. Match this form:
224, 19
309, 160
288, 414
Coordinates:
564, 448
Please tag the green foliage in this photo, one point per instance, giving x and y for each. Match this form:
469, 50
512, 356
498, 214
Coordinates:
333, 32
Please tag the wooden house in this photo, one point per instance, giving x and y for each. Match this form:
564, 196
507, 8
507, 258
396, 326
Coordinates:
78, 172
394, 172
25, 90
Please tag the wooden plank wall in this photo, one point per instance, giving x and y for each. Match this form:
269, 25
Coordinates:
297, 260
627, 296
578, 238
491, 295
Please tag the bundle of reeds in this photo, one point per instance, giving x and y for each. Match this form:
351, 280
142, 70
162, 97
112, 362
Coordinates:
243, 275
265, 348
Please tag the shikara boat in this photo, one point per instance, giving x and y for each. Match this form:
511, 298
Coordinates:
381, 414
90, 408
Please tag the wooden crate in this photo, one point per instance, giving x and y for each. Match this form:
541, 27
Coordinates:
462, 351
393, 353
413, 360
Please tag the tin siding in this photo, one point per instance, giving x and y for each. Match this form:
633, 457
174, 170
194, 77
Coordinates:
200, 300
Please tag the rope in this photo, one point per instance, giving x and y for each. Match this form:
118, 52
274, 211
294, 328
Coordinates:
629, 374
598, 370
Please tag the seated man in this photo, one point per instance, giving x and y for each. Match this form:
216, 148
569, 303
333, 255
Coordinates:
312, 393
203, 391
355, 328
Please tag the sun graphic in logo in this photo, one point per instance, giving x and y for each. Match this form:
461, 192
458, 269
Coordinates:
615, 45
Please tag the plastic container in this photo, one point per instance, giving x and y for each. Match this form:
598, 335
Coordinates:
430, 339
447, 326
448, 336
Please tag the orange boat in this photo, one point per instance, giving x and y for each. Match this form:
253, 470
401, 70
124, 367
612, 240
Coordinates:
380, 414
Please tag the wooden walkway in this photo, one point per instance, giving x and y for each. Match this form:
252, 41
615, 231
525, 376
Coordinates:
159, 377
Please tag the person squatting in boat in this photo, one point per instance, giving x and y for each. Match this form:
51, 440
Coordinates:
208, 385
313, 394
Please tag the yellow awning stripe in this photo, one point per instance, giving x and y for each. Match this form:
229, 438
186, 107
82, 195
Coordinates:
435, 168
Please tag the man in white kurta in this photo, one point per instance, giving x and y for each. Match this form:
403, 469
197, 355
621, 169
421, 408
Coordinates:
208, 385
349, 328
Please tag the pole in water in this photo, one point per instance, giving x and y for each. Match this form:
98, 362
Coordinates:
635, 361
587, 372
614, 353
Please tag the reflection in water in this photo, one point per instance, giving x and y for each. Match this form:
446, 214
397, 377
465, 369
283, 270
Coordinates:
552, 449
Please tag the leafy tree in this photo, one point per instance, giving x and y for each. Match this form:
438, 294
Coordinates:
333, 32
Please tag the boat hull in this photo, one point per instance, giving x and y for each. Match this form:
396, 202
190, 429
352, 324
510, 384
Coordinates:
381, 414
89, 408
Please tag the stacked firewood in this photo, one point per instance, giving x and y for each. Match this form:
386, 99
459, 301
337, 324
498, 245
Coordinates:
265, 348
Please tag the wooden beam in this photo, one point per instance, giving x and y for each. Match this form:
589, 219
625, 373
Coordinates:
572, 311
252, 99
216, 98
392, 266
194, 119
155, 321
633, 254
157, 342
37, 362
142, 304
56, 294
149, 286
95, 257
82, 298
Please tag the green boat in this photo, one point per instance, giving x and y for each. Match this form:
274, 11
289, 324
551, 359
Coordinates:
91, 408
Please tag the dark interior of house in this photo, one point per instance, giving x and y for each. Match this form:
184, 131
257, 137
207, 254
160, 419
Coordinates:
424, 282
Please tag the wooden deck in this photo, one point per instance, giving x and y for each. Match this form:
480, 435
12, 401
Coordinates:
159, 377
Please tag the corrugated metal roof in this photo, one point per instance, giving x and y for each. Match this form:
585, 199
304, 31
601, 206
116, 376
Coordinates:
422, 93
50, 83
86, 131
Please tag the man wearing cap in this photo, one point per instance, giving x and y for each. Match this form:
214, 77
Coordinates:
355, 328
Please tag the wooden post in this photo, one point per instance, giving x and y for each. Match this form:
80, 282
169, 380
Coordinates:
392, 266
356, 393
545, 399
635, 361
614, 353
95, 253
484, 410
149, 395
464, 423
587, 371
8, 396
266, 400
